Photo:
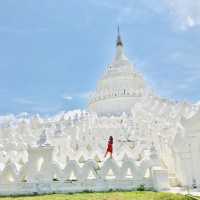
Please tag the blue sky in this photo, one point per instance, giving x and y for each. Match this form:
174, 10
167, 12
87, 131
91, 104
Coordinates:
53, 52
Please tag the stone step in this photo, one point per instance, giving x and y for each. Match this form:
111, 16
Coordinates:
173, 181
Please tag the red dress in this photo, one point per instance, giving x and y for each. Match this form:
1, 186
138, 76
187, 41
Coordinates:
110, 147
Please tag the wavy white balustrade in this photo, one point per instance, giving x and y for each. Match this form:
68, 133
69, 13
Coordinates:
76, 174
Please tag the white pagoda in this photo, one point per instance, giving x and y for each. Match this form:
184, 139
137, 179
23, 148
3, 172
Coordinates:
156, 141
119, 88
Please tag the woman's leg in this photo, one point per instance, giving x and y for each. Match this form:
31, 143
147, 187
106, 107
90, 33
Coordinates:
110, 154
106, 154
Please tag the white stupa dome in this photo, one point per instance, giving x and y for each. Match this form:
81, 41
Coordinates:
119, 88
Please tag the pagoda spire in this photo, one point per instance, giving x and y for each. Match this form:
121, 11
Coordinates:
119, 40
119, 47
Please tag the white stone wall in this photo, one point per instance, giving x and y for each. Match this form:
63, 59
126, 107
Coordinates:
70, 186
79, 177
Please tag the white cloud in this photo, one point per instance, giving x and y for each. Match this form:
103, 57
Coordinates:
35, 106
186, 13
128, 11
46, 109
66, 97
23, 101
182, 86
190, 21
193, 75
83, 95
198, 103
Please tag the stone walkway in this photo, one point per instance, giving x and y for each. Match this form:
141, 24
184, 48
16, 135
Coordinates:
181, 190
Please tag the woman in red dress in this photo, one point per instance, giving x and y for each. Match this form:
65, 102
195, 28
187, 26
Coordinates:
109, 147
